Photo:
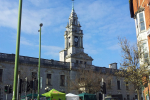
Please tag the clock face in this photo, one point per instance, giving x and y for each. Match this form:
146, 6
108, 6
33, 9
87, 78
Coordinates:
76, 39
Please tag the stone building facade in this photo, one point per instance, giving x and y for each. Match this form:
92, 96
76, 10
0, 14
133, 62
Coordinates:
55, 74
52, 73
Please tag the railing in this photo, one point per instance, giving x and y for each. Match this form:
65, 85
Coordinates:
32, 60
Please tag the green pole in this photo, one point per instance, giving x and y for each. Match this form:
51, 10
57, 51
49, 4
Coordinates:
39, 63
17, 53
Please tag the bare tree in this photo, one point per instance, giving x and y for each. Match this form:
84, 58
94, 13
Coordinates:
88, 80
134, 65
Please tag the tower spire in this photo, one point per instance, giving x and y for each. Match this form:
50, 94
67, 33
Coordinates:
72, 4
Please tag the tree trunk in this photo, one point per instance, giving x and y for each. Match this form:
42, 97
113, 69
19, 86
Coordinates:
138, 94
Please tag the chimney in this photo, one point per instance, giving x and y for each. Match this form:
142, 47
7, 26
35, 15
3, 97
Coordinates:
113, 65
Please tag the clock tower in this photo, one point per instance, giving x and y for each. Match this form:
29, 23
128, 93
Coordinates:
74, 51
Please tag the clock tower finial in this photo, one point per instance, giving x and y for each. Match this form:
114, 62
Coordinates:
73, 4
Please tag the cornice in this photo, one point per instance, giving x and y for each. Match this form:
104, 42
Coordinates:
139, 10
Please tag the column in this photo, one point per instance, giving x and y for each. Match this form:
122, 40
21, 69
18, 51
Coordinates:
69, 22
80, 42
66, 43
72, 37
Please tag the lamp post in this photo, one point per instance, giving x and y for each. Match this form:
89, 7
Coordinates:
38, 97
17, 53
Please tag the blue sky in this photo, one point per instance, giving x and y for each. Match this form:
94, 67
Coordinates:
102, 22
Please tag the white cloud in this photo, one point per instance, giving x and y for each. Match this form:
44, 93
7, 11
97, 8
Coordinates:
24, 41
48, 50
114, 47
9, 13
31, 18
91, 12
90, 49
51, 50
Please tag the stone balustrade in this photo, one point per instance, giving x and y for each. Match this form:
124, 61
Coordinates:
33, 61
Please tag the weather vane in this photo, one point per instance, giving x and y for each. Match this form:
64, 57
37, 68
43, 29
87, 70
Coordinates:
72, 4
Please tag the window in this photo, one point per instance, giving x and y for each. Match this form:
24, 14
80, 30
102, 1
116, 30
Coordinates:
76, 61
135, 96
85, 63
48, 79
111, 71
141, 21
127, 86
136, 23
62, 80
144, 47
128, 97
34, 75
80, 62
1, 73
19, 73
146, 57
1, 94
109, 84
118, 84
69, 40
103, 70
76, 41
74, 21
82, 79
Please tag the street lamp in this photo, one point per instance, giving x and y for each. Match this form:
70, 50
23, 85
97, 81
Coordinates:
17, 52
47, 89
38, 97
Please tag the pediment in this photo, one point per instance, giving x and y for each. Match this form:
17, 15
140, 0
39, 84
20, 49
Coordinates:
81, 55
